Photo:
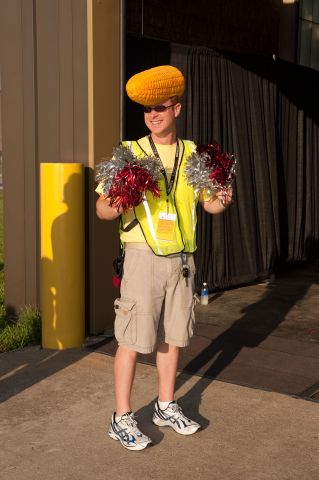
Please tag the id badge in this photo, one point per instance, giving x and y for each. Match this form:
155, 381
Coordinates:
166, 226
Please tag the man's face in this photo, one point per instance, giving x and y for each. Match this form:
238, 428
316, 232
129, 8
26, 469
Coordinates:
163, 123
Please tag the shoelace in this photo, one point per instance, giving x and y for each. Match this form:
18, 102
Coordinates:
131, 426
129, 420
179, 412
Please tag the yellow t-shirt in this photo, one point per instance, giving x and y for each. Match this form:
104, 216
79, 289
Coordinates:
167, 156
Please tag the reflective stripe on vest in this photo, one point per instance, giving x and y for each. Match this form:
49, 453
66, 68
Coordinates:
182, 201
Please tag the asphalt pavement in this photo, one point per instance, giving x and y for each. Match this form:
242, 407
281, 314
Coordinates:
56, 406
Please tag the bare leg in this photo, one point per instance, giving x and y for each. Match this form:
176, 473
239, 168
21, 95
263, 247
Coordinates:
124, 373
166, 361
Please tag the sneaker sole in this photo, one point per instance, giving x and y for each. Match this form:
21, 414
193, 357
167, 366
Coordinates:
166, 423
134, 447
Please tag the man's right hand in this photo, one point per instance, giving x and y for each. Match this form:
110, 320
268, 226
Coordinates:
105, 211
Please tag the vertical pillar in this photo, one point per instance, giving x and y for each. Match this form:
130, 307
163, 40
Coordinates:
104, 133
62, 255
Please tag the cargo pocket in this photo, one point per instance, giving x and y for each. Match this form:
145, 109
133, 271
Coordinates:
125, 321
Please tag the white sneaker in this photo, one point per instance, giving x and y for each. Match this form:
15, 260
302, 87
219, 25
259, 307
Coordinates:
128, 433
173, 417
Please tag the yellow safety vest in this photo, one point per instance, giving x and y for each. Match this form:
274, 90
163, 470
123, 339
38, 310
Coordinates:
182, 201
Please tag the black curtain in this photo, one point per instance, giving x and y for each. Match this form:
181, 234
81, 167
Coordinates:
297, 157
266, 113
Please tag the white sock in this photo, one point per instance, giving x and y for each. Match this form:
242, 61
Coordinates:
164, 405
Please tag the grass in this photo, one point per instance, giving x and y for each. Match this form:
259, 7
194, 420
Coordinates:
15, 332
24, 331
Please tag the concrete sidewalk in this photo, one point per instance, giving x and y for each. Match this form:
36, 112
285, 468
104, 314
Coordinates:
55, 409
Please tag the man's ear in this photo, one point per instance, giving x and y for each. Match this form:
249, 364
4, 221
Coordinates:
177, 109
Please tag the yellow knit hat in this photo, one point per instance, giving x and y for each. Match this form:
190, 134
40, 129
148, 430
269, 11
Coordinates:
155, 85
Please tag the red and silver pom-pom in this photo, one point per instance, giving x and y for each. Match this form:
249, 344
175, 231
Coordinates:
126, 178
210, 169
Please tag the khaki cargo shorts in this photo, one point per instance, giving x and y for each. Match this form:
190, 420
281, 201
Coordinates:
156, 303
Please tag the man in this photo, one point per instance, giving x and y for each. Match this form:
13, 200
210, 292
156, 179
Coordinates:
156, 307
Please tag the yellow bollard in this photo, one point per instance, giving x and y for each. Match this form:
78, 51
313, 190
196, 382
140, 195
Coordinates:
62, 254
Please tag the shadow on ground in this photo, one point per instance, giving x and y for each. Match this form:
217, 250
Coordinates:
246, 350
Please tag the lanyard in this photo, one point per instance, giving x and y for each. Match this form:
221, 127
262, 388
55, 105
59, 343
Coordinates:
169, 185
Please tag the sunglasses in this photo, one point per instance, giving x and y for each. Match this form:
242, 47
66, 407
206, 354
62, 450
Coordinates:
157, 108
